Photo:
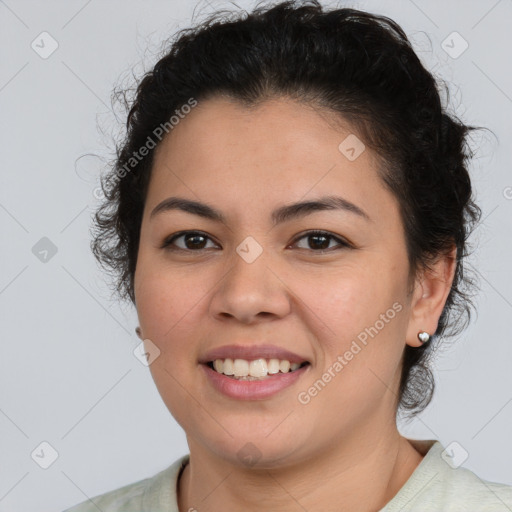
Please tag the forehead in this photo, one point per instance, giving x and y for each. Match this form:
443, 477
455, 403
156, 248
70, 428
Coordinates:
223, 151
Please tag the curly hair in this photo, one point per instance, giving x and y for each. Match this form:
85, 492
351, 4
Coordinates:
358, 66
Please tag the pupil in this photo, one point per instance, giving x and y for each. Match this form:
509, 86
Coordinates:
191, 237
324, 245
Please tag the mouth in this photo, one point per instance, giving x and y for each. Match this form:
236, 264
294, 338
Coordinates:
254, 370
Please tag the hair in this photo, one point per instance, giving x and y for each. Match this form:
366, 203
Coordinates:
358, 66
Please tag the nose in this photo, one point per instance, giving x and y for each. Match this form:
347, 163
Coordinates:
251, 292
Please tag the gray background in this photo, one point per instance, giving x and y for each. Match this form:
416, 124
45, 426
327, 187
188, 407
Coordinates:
68, 375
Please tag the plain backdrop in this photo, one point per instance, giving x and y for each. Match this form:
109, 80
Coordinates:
68, 375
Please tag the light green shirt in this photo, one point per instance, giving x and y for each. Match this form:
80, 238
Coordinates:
434, 486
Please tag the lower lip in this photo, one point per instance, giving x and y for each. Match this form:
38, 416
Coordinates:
252, 389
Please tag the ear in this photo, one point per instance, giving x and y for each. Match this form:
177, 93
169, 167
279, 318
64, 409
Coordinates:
431, 290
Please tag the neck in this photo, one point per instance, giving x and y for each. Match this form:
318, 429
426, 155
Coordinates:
360, 474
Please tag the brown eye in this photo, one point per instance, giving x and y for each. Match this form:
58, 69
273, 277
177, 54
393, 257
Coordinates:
320, 241
191, 241
196, 241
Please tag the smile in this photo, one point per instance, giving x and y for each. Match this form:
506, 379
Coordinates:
258, 369
242, 385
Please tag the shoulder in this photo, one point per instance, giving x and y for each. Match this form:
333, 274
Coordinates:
140, 496
464, 488
439, 483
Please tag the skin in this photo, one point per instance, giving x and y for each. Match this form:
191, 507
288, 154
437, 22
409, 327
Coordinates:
341, 451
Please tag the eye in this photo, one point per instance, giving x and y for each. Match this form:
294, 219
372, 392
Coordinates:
320, 240
193, 241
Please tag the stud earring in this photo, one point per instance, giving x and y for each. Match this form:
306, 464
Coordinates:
138, 332
424, 337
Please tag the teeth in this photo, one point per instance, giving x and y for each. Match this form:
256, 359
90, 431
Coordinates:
227, 367
253, 370
241, 367
284, 366
273, 366
258, 368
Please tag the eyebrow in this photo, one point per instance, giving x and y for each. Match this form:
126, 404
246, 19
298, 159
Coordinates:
282, 214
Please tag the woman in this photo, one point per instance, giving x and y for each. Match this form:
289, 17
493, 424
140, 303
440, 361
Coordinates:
289, 213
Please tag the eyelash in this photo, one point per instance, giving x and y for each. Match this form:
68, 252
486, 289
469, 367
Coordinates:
168, 242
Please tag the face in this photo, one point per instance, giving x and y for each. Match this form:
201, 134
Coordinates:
253, 284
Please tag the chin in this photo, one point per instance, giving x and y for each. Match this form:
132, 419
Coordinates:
255, 448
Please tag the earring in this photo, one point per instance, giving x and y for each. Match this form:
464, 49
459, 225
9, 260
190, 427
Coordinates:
138, 332
424, 337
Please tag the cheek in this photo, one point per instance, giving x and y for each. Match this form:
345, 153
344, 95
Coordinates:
167, 304
169, 307
351, 299
366, 315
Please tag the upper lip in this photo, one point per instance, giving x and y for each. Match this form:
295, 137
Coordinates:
251, 353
